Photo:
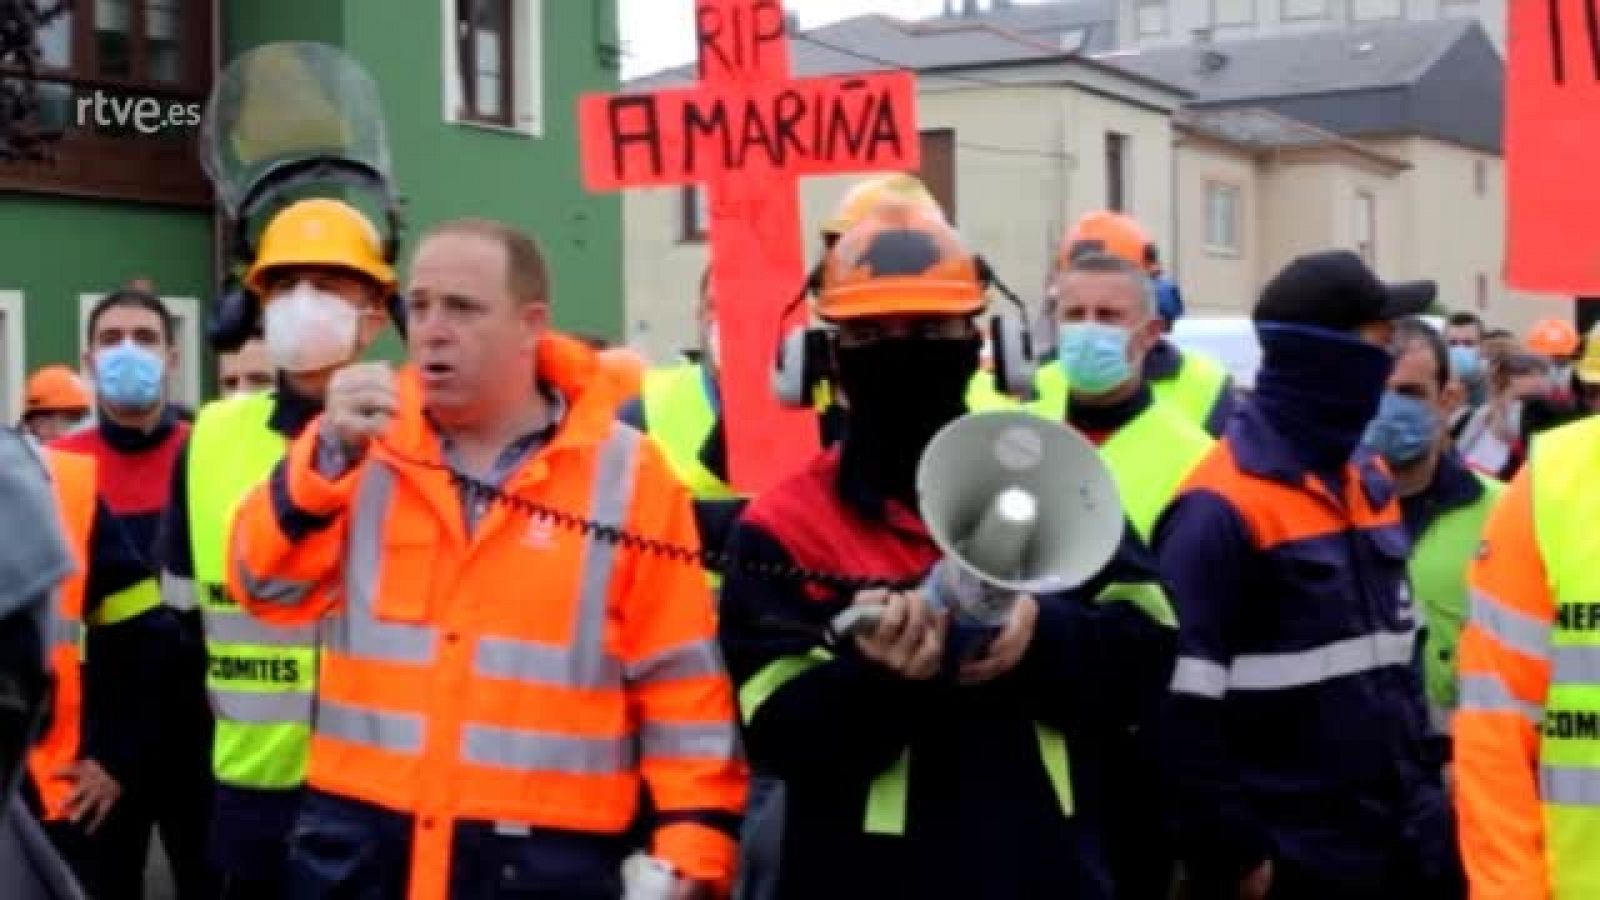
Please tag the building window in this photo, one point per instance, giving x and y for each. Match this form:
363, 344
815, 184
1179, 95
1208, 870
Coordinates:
484, 48
1365, 10
1483, 292
129, 43
185, 384
939, 168
1222, 217
1116, 171
1235, 12
1366, 226
492, 54
163, 32
1151, 18
1480, 176
695, 218
1303, 9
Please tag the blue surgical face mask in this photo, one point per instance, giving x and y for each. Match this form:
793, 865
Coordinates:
1404, 430
128, 376
1466, 363
1094, 356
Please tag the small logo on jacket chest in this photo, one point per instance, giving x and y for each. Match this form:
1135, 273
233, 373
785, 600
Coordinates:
541, 534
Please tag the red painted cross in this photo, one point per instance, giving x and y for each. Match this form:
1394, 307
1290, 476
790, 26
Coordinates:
749, 133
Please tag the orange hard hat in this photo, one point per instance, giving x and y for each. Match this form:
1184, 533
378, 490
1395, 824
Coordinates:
1553, 337
55, 388
867, 195
1110, 233
320, 231
900, 259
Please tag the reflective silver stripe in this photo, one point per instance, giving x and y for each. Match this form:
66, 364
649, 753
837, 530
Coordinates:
1489, 693
593, 666
1574, 664
178, 593
1569, 785
584, 663
1513, 628
235, 626
271, 590
698, 740
1352, 656
516, 660
698, 659
67, 631
263, 708
356, 631
540, 751
396, 732
1199, 677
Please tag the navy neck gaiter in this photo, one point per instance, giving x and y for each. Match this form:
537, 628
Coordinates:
1319, 388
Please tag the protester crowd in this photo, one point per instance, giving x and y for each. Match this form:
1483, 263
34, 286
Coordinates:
324, 638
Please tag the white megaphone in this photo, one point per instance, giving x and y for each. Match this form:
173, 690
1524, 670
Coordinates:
1018, 504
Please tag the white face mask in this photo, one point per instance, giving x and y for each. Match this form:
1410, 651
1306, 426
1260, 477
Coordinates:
309, 330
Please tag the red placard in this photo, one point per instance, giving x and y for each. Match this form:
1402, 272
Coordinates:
1552, 118
813, 126
749, 133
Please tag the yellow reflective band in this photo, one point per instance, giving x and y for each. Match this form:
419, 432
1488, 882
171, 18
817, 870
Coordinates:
1147, 596
774, 675
261, 756
127, 603
1057, 765
886, 801
680, 417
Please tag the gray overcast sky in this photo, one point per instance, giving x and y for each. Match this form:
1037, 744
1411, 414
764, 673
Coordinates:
660, 33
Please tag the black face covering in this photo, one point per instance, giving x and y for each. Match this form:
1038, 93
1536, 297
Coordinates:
900, 392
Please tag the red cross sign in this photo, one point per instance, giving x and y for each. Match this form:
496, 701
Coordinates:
749, 132
1552, 113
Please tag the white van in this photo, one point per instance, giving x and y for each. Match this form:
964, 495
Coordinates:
1231, 340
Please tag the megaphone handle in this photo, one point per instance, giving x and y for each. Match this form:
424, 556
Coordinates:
856, 620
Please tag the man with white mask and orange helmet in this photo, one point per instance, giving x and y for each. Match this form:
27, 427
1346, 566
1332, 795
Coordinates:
319, 285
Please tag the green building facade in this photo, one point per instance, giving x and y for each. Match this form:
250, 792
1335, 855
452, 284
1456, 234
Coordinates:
468, 135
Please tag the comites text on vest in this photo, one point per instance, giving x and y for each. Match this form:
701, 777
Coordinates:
240, 668
1580, 725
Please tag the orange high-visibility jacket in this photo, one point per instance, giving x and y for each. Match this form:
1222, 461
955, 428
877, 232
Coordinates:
72, 476
1504, 683
524, 674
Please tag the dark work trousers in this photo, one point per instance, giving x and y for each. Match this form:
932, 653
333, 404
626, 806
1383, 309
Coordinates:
236, 888
171, 795
111, 862
1139, 844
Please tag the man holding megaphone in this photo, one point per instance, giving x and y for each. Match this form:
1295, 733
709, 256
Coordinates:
924, 741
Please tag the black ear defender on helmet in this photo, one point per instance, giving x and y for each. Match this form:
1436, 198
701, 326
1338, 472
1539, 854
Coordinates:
1016, 359
805, 355
238, 314
237, 317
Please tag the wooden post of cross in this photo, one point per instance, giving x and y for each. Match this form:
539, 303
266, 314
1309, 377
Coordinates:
749, 133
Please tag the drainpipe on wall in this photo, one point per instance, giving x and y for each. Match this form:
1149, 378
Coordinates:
219, 228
